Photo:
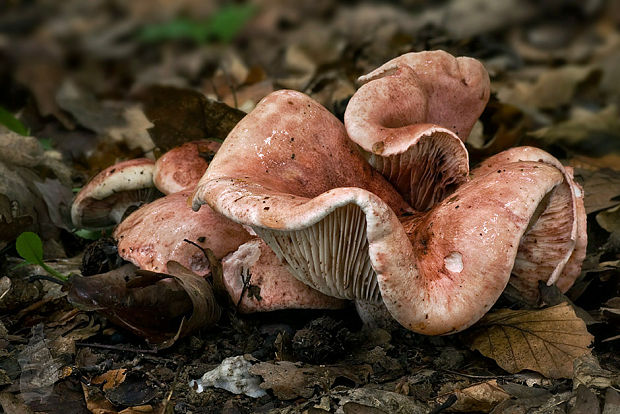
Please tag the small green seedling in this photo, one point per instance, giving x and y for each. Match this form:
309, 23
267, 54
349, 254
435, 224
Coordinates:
30, 248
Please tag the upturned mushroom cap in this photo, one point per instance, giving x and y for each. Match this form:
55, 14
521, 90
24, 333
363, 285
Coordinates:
437, 272
109, 195
269, 285
447, 91
154, 234
181, 167
409, 117
554, 245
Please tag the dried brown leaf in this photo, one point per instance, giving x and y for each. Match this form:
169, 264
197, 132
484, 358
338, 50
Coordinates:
610, 219
290, 380
585, 132
182, 115
149, 304
601, 188
545, 341
553, 88
482, 397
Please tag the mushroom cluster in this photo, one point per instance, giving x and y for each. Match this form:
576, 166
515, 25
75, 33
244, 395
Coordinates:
381, 210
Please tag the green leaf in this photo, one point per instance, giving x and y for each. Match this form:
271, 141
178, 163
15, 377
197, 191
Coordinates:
30, 247
229, 21
224, 25
8, 120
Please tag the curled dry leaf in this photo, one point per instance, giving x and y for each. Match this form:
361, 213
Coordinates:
205, 310
149, 304
545, 341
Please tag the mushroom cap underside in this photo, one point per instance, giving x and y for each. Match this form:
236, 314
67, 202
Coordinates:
103, 201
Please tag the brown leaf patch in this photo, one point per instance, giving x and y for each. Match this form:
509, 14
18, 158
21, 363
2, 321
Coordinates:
545, 341
290, 380
482, 397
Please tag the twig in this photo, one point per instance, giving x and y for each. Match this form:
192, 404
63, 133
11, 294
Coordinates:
244, 289
446, 404
46, 277
477, 376
202, 249
172, 387
118, 348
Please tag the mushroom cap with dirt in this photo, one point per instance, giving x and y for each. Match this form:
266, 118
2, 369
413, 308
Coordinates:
412, 115
114, 192
554, 247
288, 171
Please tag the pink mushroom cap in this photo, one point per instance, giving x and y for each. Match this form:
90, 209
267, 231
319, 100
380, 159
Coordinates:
287, 171
409, 116
554, 247
181, 167
257, 266
154, 234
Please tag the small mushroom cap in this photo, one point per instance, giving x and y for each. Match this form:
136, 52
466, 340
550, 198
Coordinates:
409, 116
181, 167
271, 286
110, 194
154, 235
554, 246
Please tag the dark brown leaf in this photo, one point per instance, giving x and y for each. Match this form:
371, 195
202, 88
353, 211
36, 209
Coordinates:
182, 115
152, 305
289, 380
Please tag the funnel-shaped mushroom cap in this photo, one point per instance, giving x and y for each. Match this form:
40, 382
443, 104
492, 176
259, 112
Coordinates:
181, 167
554, 245
409, 117
285, 152
269, 284
347, 242
109, 195
154, 234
